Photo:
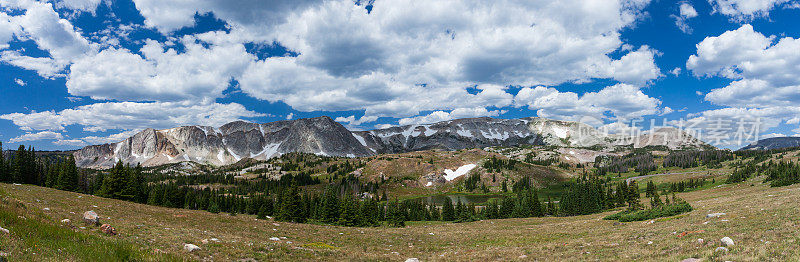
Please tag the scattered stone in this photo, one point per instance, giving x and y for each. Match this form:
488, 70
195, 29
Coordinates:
522, 257
713, 215
204, 241
274, 239
46, 209
721, 249
65, 221
413, 259
91, 218
691, 259
214, 240
700, 241
431, 233
649, 242
108, 230
727, 241
4, 230
190, 247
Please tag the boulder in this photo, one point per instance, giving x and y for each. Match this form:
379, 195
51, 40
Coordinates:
721, 250
727, 241
190, 247
108, 230
713, 215
91, 218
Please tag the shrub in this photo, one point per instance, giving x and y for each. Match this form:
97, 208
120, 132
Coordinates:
662, 211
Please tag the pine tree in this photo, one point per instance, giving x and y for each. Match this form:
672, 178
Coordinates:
348, 216
506, 208
3, 169
633, 196
19, 165
115, 183
330, 208
536, 208
448, 213
68, 177
214, 207
396, 215
291, 206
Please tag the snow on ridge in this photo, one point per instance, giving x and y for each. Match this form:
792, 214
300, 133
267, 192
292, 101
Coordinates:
269, 151
234, 155
463, 170
560, 132
464, 133
360, 139
220, 156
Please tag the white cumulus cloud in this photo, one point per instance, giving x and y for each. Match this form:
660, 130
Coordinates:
44, 135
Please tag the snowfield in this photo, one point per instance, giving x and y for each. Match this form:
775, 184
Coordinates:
463, 170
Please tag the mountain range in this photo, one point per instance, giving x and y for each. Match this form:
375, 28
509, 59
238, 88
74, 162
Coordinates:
773, 143
321, 135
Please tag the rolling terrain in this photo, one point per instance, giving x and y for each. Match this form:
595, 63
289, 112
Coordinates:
761, 220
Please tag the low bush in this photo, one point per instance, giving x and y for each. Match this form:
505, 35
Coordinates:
662, 211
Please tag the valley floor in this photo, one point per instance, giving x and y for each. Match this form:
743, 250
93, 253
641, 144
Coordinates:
762, 221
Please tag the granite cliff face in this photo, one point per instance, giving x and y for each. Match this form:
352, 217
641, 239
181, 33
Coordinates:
226, 144
236, 140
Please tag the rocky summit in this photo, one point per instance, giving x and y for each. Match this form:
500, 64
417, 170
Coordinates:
323, 136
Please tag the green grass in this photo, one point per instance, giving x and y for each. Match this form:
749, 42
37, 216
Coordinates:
653, 213
33, 238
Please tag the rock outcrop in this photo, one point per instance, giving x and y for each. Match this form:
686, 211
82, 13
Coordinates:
237, 140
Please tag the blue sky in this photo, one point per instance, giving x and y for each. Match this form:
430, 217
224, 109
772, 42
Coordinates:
81, 72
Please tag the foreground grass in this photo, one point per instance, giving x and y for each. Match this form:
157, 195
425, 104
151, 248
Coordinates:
34, 237
763, 222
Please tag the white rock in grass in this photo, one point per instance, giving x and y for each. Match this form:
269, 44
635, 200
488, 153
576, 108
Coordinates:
713, 215
275, 239
727, 241
65, 221
4, 230
91, 218
721, 249
413, 259
691, 259
190, 247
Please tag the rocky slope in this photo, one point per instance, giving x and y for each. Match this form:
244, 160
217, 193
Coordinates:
226, 144
236, 140
773, 143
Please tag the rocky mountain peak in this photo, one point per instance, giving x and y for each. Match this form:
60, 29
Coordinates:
324, 136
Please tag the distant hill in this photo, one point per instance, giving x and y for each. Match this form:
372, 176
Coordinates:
773, 143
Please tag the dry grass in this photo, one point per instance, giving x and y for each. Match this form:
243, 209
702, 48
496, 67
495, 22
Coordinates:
762, 221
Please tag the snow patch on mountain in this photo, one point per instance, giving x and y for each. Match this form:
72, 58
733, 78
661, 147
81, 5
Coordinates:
463, 170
